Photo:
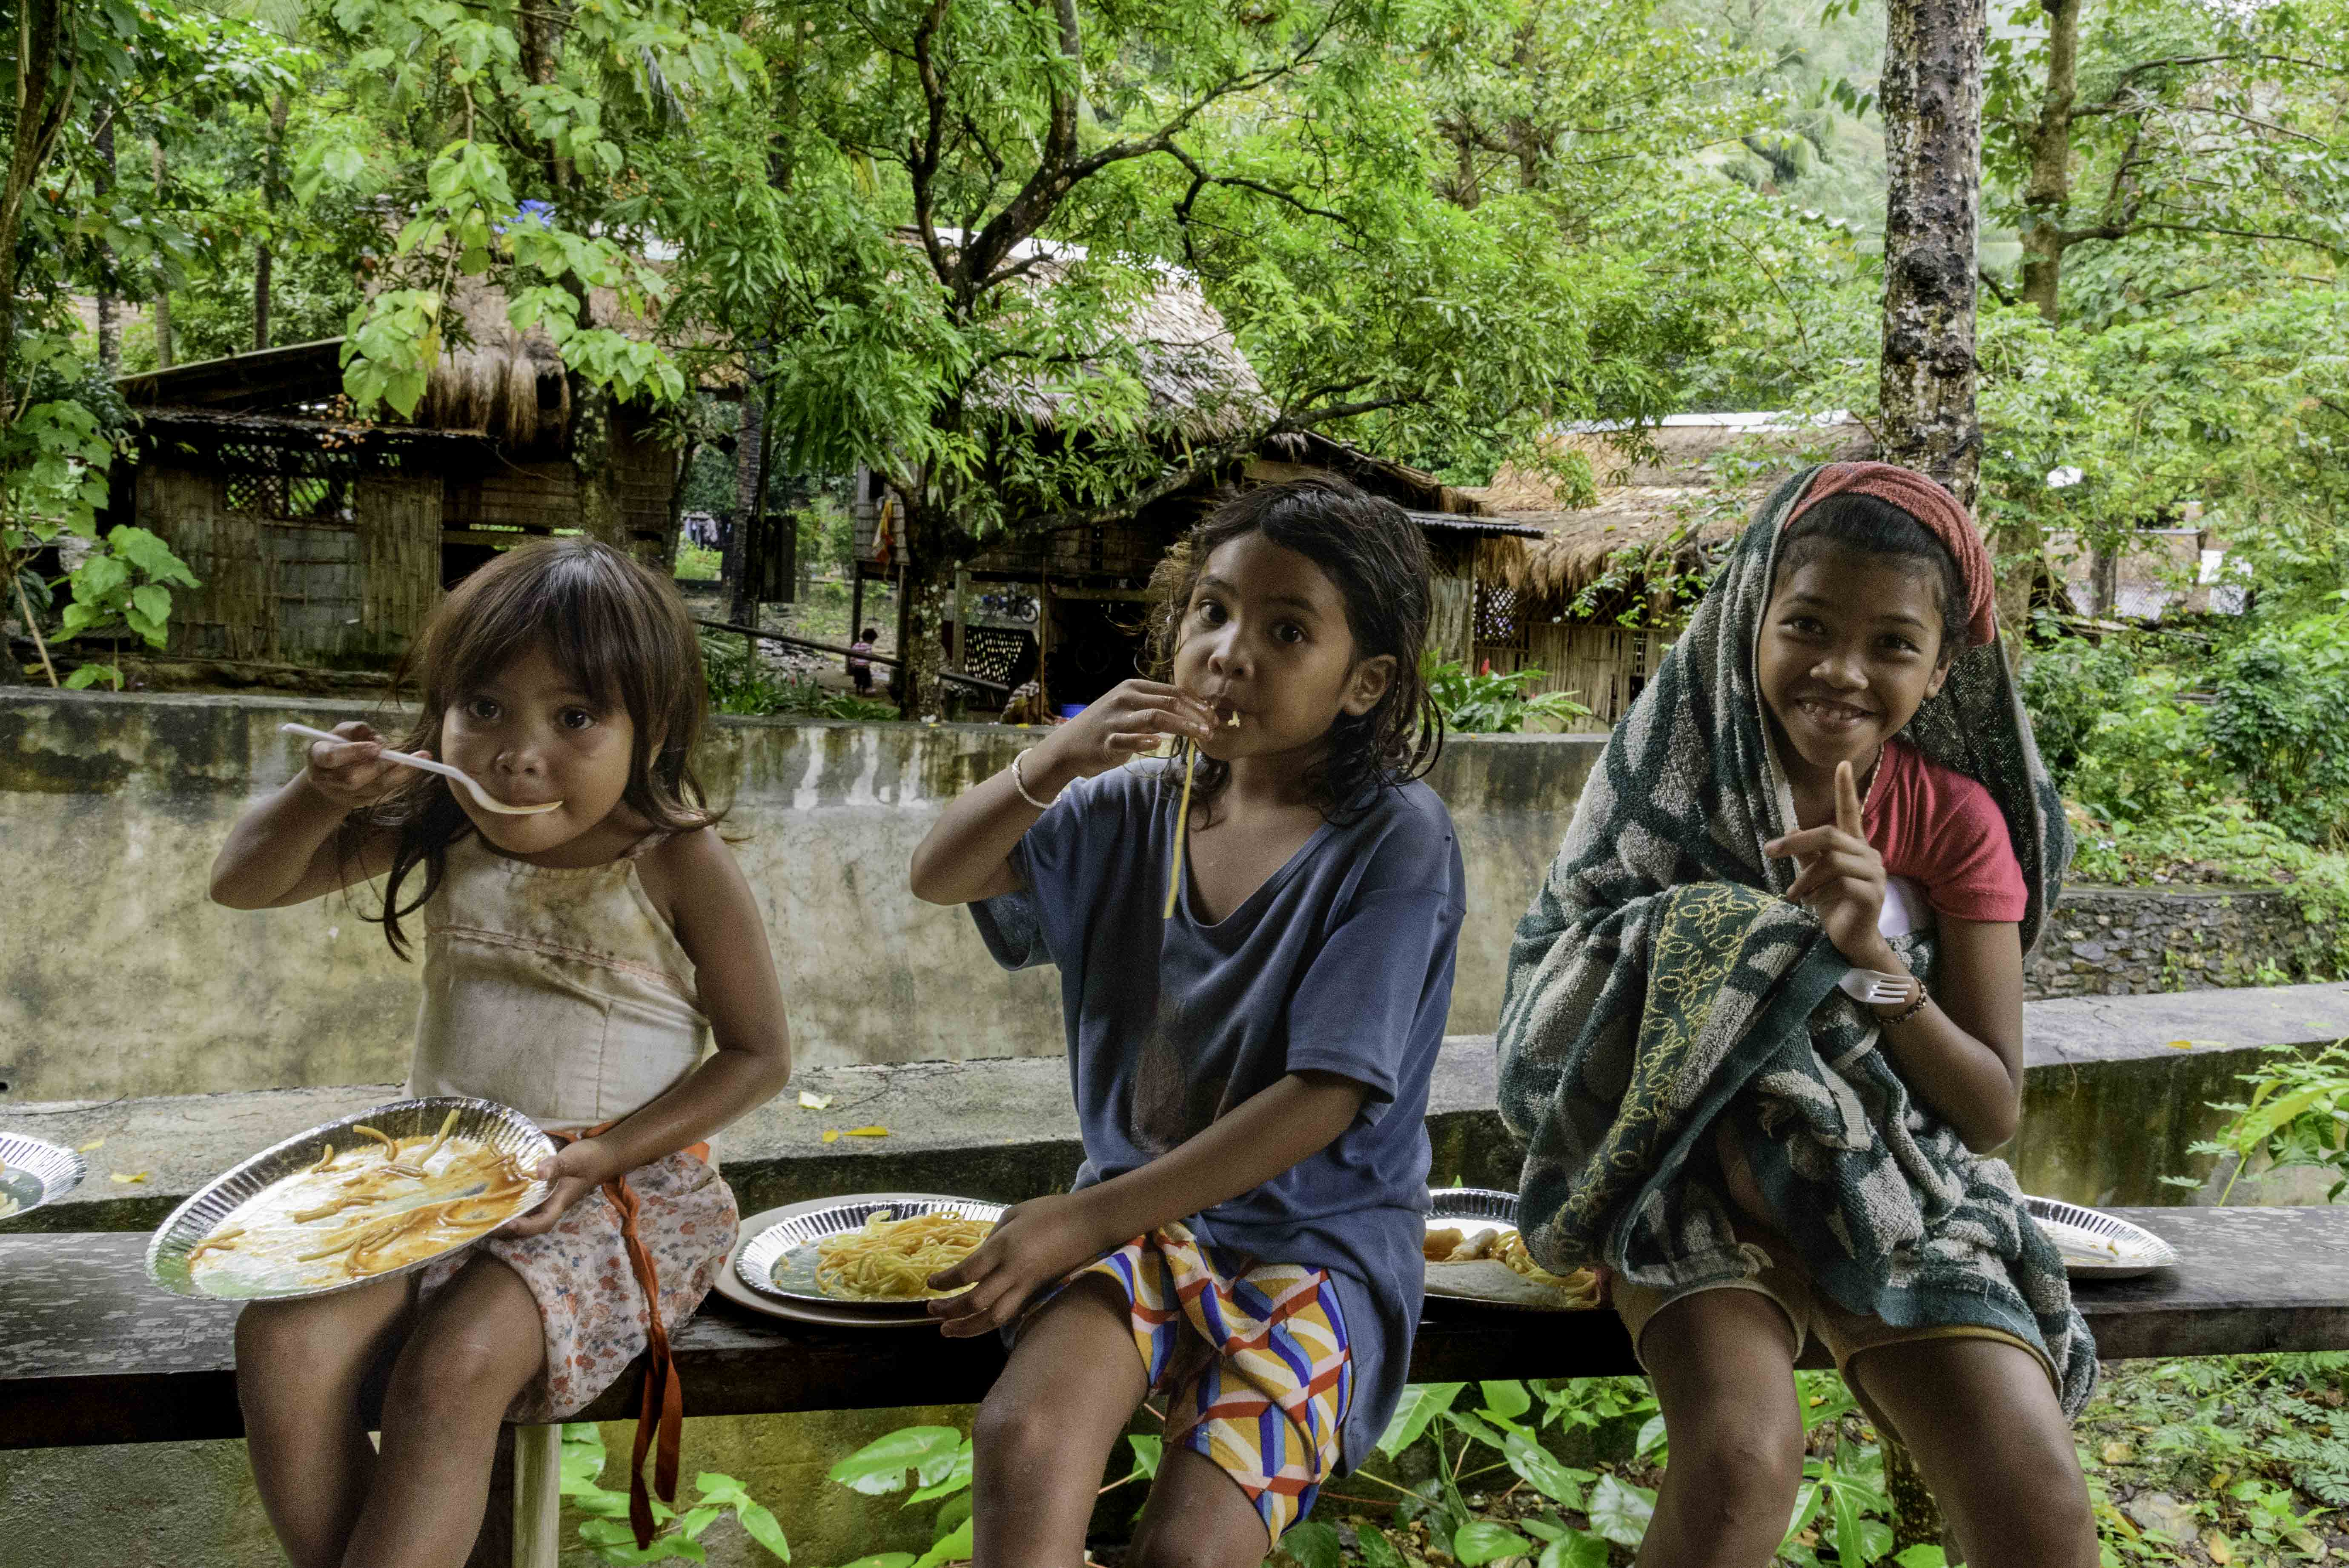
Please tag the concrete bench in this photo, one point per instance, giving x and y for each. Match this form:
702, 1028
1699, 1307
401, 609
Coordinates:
91, 1353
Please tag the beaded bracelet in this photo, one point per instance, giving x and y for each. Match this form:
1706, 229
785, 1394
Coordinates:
1910, 1011
1020, 784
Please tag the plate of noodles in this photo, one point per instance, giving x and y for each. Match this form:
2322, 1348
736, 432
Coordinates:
869, 1256
33, 1172
362, 1198
1474, 1253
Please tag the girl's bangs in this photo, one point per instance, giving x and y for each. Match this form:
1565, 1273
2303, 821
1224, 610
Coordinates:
562, 604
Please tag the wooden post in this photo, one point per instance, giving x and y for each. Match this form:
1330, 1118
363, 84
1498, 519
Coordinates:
962, 620
538, 1496
521, 1517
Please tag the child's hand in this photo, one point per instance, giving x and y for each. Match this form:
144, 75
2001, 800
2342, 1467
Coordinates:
1131, 717
1030, 1247
577, 1169
351, 772
1842, 878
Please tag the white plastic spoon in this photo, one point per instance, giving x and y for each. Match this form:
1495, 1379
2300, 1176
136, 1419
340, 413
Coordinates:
489, 803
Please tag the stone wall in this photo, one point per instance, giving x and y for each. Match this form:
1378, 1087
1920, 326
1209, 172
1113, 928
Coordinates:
2125, 942
118, 976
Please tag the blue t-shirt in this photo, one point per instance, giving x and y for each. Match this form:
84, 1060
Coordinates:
1340, 963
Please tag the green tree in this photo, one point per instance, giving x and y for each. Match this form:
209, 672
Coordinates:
953, 213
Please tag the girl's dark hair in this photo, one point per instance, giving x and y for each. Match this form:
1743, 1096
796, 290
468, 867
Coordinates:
616, 630
1873, 526
1375, 554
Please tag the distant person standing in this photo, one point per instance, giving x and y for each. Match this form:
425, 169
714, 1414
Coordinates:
860, 663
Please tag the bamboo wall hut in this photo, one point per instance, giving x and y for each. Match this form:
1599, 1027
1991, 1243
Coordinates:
1074, 600
1595, 600
323, 540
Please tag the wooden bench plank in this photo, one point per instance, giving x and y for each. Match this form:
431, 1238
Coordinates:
91, 1353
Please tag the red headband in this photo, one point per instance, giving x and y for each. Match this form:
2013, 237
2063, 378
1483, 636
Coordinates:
1924, 499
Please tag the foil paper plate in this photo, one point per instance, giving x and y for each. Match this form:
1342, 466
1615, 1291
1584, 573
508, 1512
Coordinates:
2097, 1245
779, 1260
1475, 1212
33, 1172
484, 1121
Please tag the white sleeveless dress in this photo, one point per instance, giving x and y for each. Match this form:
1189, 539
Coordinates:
566, 995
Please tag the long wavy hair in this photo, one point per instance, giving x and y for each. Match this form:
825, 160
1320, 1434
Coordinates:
1373, 553
617, 631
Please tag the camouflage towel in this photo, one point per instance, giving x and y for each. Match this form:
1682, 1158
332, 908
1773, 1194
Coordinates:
1660, 982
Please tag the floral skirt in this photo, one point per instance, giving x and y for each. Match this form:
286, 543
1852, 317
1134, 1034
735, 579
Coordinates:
589, 1302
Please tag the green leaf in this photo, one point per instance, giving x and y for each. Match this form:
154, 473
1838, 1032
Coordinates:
90, 675
956, 1477
881, 1467
1377, 1551
152, 601
1508, 1400
1575, 1549
1480, 1540
1313, 1544
1621, 1512
1422, 1403
1147, 1454
1922, 1555
1540, 1469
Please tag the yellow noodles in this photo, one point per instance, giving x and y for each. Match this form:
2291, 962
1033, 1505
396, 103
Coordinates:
445, 1192
1182, 825
894, 1259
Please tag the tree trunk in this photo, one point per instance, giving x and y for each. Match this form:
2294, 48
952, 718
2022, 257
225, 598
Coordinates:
109, 329
2048, 193
44, 92
1932, 98
926, 590
750, 475
162, 308
262, 258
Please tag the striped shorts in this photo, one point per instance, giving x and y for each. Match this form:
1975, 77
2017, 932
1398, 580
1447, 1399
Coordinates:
1253, 1361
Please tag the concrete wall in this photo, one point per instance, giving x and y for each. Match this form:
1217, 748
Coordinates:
118, 976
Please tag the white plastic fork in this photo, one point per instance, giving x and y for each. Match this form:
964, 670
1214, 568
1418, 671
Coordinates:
1875, 987
489, 803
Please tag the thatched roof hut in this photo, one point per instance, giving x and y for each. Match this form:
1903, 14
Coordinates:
1671, 497
1200, 387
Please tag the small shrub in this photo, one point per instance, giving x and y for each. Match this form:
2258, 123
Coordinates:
1489, 704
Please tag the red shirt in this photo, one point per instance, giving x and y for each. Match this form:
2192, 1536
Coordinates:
1941, 828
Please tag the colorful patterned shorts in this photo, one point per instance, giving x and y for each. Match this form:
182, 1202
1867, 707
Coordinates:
1254, 1362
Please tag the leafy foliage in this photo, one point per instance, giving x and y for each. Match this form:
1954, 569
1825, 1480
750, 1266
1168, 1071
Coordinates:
1489, 704
606, 1530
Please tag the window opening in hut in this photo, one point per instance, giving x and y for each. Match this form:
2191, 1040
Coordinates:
1500, 628
998, 653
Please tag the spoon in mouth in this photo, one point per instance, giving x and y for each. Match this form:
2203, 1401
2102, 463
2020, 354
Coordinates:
488, 801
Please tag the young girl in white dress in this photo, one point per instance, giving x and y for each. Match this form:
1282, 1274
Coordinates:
576, 964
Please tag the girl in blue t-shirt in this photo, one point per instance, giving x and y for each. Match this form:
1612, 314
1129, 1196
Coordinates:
1255, 963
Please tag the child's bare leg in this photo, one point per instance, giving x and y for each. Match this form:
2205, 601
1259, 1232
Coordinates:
477, 1342
1982, 1421
1722, 1365
1044, 1434
299, 1365
1197, 1517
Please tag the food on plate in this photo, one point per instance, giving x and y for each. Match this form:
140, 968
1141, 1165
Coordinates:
890, 1259
368, 1209
1503, 1245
